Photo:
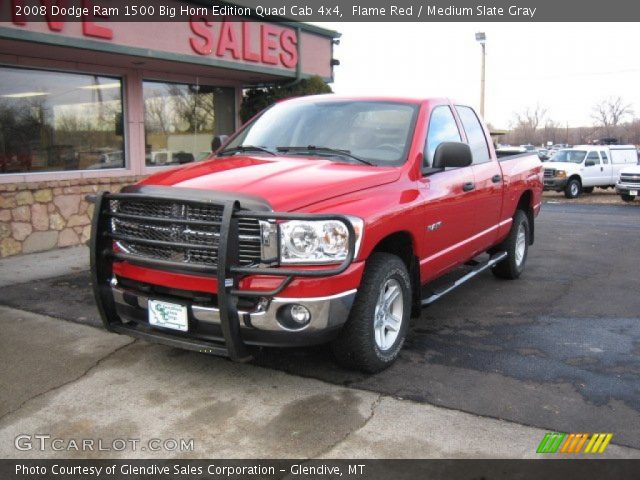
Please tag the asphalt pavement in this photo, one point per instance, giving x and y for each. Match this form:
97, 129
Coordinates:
558, 349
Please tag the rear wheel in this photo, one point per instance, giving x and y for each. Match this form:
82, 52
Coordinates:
377, 326
573, 188
588, 189
517, 247
627, 198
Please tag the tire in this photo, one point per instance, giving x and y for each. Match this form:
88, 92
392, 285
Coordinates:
358, 345
513, 266
627, 198
573, 189
589, 189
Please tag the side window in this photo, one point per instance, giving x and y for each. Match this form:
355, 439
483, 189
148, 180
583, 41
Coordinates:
442, 128
475, 134
594, 156
605, 159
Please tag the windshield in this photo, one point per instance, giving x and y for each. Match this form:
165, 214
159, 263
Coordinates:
375, 132
573, 156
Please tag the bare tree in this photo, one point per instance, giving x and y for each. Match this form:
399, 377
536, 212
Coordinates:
525, 124
156, 116
609, 113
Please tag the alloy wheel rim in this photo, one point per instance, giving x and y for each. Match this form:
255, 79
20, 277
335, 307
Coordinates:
521, 244
574, 189
388, 314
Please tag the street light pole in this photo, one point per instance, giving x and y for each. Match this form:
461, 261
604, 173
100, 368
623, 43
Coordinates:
482, 39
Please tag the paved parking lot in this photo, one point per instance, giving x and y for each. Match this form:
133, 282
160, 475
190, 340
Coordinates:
558, 349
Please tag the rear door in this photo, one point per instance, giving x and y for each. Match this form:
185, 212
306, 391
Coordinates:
487, 194
607, 169
592, 169
448, 218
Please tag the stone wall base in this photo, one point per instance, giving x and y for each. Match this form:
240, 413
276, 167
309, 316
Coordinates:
42, 216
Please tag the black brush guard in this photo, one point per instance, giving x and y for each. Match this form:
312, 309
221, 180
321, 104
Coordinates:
228, 271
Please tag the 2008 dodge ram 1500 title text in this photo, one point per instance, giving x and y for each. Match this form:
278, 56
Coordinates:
319, 221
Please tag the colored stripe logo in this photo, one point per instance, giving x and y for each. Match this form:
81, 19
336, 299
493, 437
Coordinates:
556, 442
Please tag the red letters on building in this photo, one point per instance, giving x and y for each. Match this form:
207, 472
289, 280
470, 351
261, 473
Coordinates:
54, 20
202, 43
275, 45
289, 46
89, 28
228, 41
247, 53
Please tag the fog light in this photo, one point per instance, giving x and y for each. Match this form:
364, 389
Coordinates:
293, 316
300, 314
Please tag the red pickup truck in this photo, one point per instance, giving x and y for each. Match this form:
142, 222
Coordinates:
319, 221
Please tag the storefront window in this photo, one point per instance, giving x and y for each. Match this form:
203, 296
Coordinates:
52, 121
181, 120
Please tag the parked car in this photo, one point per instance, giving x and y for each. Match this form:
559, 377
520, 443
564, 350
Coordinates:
628, 184
583, 167
508, 151
543, 154
319, 221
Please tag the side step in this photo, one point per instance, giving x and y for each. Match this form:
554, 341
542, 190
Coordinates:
479, 269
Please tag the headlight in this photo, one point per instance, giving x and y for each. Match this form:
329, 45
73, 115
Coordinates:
561, 173
317, 241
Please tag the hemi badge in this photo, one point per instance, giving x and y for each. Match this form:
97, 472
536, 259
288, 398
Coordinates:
434, 226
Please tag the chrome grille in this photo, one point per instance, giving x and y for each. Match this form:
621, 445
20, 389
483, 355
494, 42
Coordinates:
179, 231
549, 172
630, 178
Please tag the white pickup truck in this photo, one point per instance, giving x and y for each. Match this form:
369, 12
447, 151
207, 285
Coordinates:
628, 184
583, 167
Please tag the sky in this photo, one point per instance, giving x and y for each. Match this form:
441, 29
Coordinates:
565, 67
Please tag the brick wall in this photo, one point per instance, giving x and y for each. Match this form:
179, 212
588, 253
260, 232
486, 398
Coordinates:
42, 216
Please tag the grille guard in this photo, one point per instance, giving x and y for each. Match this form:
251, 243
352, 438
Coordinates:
228, 272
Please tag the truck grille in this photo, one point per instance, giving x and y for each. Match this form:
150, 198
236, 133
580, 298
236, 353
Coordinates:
178, 231
549, 172
630, 178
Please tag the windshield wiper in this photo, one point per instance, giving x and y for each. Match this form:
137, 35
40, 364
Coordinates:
246, 148
313, 149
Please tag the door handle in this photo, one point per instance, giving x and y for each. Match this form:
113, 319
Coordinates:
496, 178
468, 186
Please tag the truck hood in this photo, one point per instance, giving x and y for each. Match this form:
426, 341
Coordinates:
634, 169
567, 166
287, 183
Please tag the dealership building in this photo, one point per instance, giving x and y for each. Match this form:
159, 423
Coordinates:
95, 105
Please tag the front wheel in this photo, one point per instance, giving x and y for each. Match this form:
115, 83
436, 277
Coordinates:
517, 247
573, 188
377, 326
627, 198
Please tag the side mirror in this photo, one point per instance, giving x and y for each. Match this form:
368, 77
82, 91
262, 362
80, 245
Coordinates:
217, 142
452, 154
590, 163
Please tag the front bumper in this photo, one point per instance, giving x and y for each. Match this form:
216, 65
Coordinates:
555, 184
626, 189
259, 326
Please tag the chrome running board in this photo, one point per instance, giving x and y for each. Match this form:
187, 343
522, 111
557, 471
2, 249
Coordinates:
465, 278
